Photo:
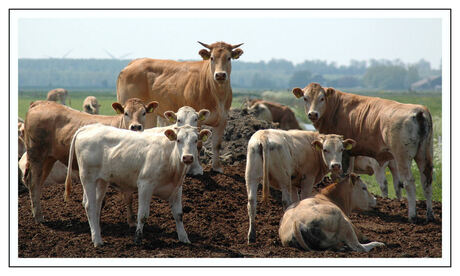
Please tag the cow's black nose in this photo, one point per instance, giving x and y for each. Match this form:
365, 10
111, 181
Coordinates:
313, 116
135, 127
221, 76
188, 159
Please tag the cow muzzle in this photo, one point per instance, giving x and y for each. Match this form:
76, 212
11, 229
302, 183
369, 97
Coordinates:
336, 168
220, 76
313, 116
136, 127
187, 159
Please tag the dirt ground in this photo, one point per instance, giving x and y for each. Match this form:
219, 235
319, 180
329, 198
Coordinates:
215, 218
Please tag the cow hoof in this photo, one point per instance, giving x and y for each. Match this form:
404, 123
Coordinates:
132, 224
251, 238
39, 219
429, 217
185, 240
98, 244
138, 237
413, 219
218, 169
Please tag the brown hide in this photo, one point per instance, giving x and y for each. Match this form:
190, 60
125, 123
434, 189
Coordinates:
281, 114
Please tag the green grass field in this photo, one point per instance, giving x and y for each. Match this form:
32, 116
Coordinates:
431, 100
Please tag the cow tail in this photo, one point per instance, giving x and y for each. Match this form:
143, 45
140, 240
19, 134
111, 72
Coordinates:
425, 132
298, 236
265, 166
68, 180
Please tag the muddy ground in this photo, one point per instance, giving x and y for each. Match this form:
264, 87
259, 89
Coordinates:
215, 218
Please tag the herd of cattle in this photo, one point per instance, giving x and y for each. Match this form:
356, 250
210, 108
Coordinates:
129, 152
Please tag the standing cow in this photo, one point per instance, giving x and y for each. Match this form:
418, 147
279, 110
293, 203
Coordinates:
199, 84
91, 105
49, 128
149, 163
383, 129
58, 95
289, 161
321, 222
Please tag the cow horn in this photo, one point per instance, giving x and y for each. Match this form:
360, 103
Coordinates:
205, 45
236, 46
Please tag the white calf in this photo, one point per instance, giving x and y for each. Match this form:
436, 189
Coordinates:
148, 163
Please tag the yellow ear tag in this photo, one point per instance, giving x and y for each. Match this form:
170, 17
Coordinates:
201, 117
205, 58
204, 138
318, 148
349, 147
171, 119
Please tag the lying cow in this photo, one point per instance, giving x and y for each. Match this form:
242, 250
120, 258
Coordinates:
199, 84
91, 105
383, 130
58, 95
321, 222
261, 112
49, 128
280, 113
289, 160
149, 163
370, 166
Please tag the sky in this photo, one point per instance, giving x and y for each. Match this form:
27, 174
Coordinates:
290, 35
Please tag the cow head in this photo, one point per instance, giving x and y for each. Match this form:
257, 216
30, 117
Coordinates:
220, 55
134, 112
186, 115
361, 198
331, 147
315, 98
186, 138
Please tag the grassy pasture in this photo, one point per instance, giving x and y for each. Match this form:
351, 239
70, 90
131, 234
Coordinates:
431, 100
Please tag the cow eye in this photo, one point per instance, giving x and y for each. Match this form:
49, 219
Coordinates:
178, 121
341, 149
325, 150
228, 58
322, 99
212, 58
196, 119
126, 113
305, 99
178, 140
143, 114
196, 141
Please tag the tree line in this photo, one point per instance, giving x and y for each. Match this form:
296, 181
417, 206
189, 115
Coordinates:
275, 74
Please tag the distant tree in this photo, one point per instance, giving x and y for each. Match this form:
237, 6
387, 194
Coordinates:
300, 79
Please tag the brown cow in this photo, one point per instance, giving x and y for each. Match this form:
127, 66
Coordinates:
280, 114
58, 95
199, 84
383, 129
321, 222
49, 128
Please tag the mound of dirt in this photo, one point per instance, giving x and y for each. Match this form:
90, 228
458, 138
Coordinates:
241, 125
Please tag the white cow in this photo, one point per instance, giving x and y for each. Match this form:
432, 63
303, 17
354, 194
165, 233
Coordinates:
370, 166
288, 161
149, 163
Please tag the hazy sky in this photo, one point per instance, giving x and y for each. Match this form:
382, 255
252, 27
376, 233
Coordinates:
295, 39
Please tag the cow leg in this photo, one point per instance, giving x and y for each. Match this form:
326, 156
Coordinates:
294, 193
286, 197
426, 167
253, 175
404, 167
349, 237
175, 201
145, 191
381, 179
397, 184
128, 200
306, 185
217, 135
38, 178
89, 187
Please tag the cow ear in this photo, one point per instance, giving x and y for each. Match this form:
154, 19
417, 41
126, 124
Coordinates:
203, 114
171, 134
297, 92
205, 54
204, 135
171, 116
118, 108
237, 53
348, 144
330, 91
151, 106
318, 145
354, 178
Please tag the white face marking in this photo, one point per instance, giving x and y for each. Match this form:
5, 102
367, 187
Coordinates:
332, 154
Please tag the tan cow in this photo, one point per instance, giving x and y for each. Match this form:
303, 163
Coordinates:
199, 84
21, 145
58, 95
383, 130
289, 161
280, 114
91, 105
49, 128
321, 222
